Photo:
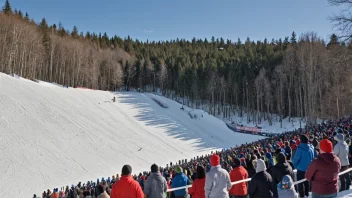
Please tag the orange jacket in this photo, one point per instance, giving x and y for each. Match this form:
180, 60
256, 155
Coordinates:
237, 174
54, 195
197, 189
126, 187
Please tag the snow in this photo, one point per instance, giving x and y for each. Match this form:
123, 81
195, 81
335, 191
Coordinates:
345, 194
52, 137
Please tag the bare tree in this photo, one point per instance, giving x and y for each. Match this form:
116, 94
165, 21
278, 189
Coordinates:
343, 20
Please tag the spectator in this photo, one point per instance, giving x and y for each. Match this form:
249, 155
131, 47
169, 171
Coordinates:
126, 187
103, 194
179, 180
238, 173
269, 159
55, 194
261, 183
155, 186
286, 189
303, 157
281, 169
341, 150
323, 172
217, 182
197, 189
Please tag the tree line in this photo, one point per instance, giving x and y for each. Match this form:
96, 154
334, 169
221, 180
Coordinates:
297, 76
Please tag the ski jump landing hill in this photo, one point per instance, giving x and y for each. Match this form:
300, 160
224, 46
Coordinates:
52, 136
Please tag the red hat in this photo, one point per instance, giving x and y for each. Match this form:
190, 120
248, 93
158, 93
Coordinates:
215, 160
242, 159
326, 146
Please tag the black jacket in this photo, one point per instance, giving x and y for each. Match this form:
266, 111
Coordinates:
278, 172
261, 186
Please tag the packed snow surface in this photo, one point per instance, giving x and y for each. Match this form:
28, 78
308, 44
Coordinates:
52, 136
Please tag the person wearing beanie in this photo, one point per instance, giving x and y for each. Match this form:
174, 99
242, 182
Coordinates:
286, 188
238, 173
302, 158
261, 185
280, 169
197, 189
323, 172
155, 186
269, 159
217, 181
179, 180
341, 150
126, 187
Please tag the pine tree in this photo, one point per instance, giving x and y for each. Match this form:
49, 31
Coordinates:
26, 17
333, 41
7, 8
293, 38
74, 33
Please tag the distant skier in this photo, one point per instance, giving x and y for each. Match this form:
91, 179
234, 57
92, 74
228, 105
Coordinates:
114, 99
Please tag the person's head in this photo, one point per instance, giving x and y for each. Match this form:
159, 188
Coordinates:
178, 170
215, 160
339, 137
287, 182
260, 166
325, 146
200, 172
154, 168
236, 163
100, 189
281, 158
126, 170
304, 139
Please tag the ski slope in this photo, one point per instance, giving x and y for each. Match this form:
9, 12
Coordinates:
53, 137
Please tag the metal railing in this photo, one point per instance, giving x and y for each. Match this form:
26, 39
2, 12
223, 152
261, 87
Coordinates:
249, 179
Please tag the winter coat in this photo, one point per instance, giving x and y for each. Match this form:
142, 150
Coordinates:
179, 180
303, 156
323, 173
54, 195
104, 195
126, 187
261, 186
341, 151
290, 193
237, 174
279, 171
155, 186
217, 183
197, 189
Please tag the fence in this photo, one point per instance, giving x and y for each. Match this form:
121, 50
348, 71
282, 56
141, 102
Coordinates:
249, 179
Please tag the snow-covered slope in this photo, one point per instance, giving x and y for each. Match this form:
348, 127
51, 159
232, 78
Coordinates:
52, 136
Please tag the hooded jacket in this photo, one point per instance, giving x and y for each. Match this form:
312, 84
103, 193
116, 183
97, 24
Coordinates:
288, 193
217, 183
323, 173
341, 150
126, 187
237, 174
155, 186
197, 189
261, 183
179, 180
104, 195
303, 156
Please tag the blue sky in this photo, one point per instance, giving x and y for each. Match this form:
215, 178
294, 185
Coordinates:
166, 19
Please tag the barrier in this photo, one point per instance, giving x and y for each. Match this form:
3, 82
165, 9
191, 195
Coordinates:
249, 179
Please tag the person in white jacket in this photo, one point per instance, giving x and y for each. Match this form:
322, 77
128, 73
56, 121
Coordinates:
341, 151
217, 180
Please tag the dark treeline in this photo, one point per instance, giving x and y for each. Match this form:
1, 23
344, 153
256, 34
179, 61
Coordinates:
297, 76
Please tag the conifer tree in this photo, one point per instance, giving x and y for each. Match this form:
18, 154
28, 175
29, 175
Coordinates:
7, 8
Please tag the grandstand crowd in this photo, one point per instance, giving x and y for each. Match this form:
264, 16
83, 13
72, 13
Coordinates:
318, 153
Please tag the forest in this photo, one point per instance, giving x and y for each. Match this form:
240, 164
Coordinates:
296, 76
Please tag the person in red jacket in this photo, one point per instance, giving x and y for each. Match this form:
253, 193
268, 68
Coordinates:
126, 187
238, 173
197, 189
323, 172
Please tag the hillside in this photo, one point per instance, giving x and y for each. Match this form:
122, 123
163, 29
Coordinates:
52, 136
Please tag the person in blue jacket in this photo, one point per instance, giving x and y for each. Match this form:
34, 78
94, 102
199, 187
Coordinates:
303, 157
179, 180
